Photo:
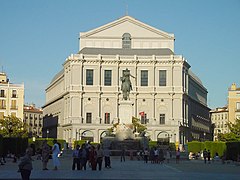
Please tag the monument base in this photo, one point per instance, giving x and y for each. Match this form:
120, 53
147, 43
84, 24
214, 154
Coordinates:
125, 112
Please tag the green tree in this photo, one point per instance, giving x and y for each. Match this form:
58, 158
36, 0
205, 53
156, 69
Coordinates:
140, 128
12, 126
233, 135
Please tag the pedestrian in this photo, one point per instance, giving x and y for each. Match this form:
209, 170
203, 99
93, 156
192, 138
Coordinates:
76, 159
83, 157
209, 156
55, 153
45, 154
93, 158
168, 156
107, 160
25, 165
123, 153
205, 156
146, 154
178, 156
99, 157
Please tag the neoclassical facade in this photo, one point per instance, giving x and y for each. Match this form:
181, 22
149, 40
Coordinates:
84, 96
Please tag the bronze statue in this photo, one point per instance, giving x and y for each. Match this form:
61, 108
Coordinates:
126, 86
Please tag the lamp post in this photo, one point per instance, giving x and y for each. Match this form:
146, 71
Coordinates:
47, 133
204, 134
10, 129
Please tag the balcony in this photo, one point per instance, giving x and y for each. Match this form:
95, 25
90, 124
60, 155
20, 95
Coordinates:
14, 107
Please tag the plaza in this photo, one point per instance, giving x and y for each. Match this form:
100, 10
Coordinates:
130, 169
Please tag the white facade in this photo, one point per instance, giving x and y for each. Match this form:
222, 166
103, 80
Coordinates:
87, 107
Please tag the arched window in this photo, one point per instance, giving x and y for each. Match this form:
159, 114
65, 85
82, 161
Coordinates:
126, 41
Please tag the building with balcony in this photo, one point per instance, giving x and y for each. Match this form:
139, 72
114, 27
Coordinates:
82, 100
11, 98
219, 117
33, 117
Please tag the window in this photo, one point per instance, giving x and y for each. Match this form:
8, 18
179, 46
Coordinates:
89, 118
2, 94
144, 78
162, 78
107, 118
14, 93
126, 41
144, 119
162, 119
238, 105
2, 104
1, 115
107, 77
89, 77
14, 106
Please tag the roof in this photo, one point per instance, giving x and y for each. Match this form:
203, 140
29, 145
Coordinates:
57, 76
120, 51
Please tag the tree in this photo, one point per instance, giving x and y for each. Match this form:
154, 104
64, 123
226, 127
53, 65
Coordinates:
138, 126
12, 126
234, 134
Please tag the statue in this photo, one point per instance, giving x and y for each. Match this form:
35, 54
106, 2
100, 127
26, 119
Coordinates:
126, 86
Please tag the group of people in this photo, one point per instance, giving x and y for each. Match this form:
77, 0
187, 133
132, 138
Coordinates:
88, 154
157, 155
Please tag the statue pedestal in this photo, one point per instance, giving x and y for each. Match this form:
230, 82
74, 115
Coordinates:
125, 112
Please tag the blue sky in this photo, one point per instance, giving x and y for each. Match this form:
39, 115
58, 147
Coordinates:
36, 36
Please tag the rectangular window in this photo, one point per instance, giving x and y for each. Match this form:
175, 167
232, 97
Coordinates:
107, 118
238, 105
144, 119
89, 118
162, 78
89, 77
1, 115
2, 94
2, 104
162, 119
144, 77
14, 104
107, 77
14, 93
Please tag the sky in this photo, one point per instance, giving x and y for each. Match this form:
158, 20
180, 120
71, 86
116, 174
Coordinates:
36, 36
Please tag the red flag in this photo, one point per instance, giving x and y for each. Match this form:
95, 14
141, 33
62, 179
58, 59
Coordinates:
141, 114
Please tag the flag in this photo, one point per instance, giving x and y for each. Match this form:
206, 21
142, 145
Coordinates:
141, 114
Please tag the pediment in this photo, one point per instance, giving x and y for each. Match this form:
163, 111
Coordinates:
127, 24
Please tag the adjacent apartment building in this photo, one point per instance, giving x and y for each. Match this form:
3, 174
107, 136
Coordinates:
82, 100
223, 115
11, 98
33, 118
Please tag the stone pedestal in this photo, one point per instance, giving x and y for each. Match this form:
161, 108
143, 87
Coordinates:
125, 112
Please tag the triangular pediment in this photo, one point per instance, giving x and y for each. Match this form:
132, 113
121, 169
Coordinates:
127, 24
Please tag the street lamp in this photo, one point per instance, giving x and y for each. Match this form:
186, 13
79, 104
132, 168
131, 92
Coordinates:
204, 134
47, 133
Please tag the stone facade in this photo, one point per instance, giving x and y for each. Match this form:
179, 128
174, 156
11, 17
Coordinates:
85, 95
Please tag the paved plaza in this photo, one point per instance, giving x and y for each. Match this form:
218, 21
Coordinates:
130, 169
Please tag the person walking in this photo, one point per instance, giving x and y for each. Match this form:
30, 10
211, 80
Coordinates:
209, 156
45, 154
99, 157
205, 156
55, 152
76, 159
107, 160
123, 153
93, 158
25, 165
168, 156
178, 156
146, 154
83, 157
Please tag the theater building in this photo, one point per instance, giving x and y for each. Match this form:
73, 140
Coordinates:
84, 96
